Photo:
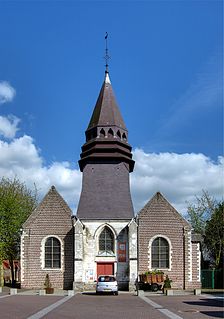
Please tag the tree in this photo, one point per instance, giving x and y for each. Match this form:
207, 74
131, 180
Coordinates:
214, 235
16, 204
199, 215
201, 211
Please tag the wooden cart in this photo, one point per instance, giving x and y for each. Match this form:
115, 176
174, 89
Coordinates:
153, 282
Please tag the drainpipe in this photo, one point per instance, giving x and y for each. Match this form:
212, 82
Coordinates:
137, 222
184, 261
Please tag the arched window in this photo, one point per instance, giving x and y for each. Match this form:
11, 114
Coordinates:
124, 136
160, 253
102, 133
52, 253
106, 242
119, 134
110, 133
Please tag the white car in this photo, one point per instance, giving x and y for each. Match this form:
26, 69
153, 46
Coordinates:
107, 284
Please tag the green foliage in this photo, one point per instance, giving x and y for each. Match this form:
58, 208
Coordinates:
154, 272
47, 282
206, 218
16, 204
214, 235
201, 211
167, 282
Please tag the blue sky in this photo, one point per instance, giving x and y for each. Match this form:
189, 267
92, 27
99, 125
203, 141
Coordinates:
166, 70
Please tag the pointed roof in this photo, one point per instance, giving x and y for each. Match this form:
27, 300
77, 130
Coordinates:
106, 135
52, 202
159, 203
106, 111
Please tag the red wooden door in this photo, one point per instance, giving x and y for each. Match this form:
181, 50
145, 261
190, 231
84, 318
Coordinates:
105, 269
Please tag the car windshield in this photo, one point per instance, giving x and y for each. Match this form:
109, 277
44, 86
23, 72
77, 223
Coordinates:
106, 278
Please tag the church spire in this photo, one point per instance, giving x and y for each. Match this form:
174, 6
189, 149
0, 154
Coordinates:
106, 160
106, 134
106, 57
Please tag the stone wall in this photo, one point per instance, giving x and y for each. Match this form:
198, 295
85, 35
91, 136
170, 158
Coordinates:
87, 252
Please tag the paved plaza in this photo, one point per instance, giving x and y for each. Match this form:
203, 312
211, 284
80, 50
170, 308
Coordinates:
90, 305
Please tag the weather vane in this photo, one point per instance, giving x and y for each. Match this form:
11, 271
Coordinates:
106, 57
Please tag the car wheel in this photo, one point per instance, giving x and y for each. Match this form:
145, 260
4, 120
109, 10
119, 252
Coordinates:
116, 293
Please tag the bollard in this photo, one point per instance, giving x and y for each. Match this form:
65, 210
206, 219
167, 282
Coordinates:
13, 291
141, 293
169, 292
71, 293
197, 291
0, 290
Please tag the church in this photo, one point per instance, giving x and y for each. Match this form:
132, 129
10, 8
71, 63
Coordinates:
106, 237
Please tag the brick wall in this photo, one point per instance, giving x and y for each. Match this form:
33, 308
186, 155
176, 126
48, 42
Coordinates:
51, 218
159, 219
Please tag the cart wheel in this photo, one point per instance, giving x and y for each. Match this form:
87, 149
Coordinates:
155, 287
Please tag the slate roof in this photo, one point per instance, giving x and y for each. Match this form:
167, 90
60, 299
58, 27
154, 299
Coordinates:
106, 161
106, 135
106, 111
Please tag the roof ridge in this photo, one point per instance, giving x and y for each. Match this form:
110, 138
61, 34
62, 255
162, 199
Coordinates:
34, 214
159, 196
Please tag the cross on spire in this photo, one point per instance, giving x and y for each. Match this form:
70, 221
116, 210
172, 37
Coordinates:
106, 57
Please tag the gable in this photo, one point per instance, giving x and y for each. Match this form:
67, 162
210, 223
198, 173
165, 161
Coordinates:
52, 207
159, 209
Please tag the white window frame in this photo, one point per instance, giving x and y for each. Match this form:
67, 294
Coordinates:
150, 252
42, 253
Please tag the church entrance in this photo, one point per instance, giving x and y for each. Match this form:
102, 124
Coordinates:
105, 269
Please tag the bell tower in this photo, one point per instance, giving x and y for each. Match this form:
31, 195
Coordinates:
105, 229
106, 161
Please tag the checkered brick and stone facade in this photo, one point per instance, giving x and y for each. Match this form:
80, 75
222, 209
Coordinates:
159, 219
52, 218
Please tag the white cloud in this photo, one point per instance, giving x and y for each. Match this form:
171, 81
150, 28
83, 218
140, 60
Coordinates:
9, 126
179, 177
7, 92
22, 159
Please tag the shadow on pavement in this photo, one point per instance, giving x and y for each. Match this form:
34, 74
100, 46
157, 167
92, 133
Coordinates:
213, 314
206, 302
209, 303
97, 294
